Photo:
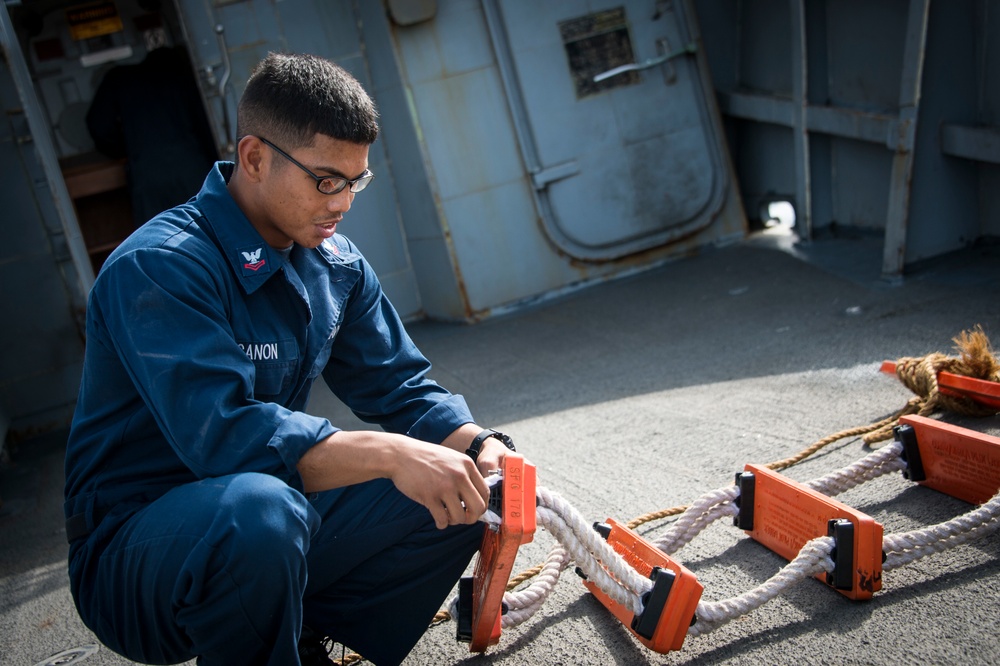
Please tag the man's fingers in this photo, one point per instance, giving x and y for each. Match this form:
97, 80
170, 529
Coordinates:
440, 515
446, 482
462, 511
455, 510
475, 505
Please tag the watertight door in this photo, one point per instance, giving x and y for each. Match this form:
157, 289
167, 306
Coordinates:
227, 38
213, 31
633, 160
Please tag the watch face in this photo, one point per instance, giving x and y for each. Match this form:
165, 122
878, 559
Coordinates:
507, 441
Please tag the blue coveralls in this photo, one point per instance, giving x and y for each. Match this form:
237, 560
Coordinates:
190, 534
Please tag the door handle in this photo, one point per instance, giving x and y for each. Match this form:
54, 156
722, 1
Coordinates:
688, 49
227, 70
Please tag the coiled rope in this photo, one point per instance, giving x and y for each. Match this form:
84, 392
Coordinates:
920, 374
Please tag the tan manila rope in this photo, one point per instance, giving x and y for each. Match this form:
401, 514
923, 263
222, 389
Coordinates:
975, 359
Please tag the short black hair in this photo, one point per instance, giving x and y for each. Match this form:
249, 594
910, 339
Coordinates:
290, 98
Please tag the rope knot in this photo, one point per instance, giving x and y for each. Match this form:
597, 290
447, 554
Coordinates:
975, 360
919, 374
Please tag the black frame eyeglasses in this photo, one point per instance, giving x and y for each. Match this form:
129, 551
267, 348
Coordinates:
327, 184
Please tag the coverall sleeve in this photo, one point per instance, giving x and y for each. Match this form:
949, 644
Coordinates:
165, 313
378, 372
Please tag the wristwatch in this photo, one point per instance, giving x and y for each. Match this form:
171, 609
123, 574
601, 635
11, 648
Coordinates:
477, 443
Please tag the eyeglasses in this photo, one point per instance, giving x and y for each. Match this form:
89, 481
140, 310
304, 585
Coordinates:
327, 184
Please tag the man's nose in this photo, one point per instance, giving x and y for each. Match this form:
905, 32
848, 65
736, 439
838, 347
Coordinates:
341, 201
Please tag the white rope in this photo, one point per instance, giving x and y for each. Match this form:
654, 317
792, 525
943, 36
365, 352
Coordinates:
522, 604
811, 560
906, 547
704, 511
878, 463
595, 557
720, 503
579, 542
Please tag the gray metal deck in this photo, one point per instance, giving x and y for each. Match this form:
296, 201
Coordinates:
642, 394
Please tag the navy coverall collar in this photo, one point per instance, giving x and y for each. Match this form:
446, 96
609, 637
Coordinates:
252, 260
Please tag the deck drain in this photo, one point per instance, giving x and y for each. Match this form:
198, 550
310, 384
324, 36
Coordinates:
71, 656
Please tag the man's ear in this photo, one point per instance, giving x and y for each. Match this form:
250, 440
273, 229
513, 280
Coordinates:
250, 151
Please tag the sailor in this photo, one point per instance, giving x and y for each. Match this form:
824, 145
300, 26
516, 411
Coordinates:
209, 516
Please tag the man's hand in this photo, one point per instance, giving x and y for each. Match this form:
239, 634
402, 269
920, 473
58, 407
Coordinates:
443, 480
440, 478
491, 453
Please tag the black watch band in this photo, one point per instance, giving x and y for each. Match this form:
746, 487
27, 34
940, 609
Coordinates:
477, 443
